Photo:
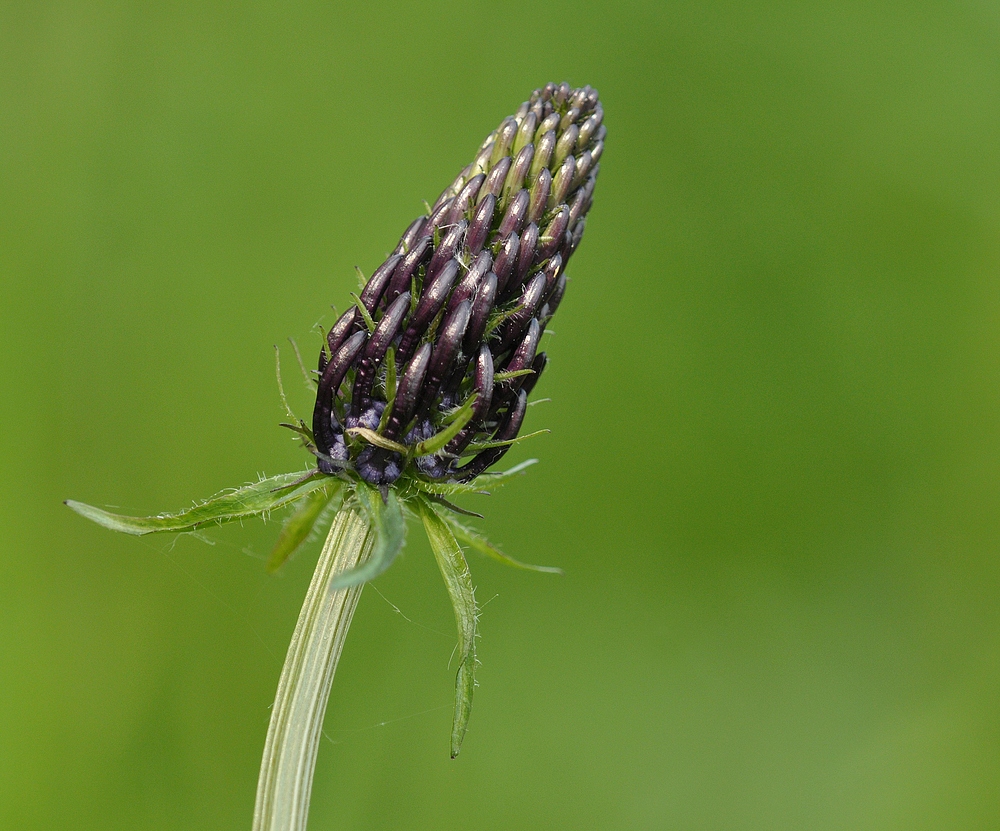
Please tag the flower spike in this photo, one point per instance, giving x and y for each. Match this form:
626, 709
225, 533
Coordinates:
485, 270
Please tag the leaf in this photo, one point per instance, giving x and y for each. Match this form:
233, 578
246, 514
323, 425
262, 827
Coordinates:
458, 579
248, 501
281, 387
451, 506
476, 447
438, 441
310, 381
390, 534
477, 541
372, 437
365, 314
481, 484
300, 524
508, 376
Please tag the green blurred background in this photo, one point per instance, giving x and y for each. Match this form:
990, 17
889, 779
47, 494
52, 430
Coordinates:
772, 477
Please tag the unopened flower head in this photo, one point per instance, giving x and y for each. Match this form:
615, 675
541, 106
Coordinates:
428, 374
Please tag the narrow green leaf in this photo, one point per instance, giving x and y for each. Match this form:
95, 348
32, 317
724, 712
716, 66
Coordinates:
496, 318
248, 501
372, 437
478, 542
301, 522
481, 484
390, 534
281, 387
365, 314
507, 376
309, 379
438, 441
304, 432
458, 579
437, 499
475, 447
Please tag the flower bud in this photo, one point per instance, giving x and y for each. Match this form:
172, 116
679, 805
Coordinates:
468, 287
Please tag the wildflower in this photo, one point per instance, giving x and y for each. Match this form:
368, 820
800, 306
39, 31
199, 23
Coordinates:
444, 338
422, 385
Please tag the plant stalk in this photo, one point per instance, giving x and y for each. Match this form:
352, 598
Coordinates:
286, 771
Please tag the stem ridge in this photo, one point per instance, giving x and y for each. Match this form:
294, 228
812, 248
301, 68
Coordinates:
293, 736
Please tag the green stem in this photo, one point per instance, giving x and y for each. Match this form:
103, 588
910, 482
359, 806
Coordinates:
286, 771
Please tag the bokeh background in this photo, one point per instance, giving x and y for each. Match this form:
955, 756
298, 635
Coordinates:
773, 474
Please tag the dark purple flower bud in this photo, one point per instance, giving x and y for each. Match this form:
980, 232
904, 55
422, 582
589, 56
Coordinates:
377, 283
504, 140
525, 133
565, 145
408, 392
543, 153
385, 332
481, 307
482, 221
575, 238
466, 288
597, 150
526, 254
578, 205
338, 334
518, 171
552, 237
413, 233
562, 181
495, 179
325, 428
548, 124
446, 347
447, 249
515, 325
431, 300
587, 130
525, 352
513, 219
583, 164
509, 427
556, 297
552, 270
539, 195
476, 281
537, 367
465, 199
483, 382
504, 263
482, 385
572, 114
452, 189
401, 278
438, 216
480, 164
